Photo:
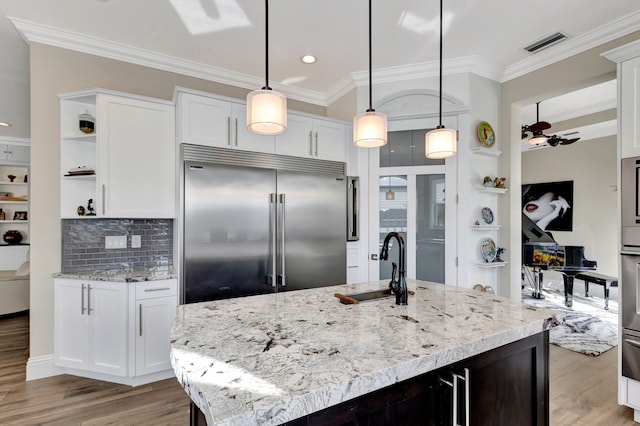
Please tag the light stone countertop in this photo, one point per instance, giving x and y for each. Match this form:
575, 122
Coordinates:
119, 275
269, 359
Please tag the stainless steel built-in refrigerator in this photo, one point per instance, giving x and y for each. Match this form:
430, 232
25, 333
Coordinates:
260, 223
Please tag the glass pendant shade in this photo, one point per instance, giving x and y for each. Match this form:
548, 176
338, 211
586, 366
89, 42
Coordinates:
370, 129
440, 143
266, 112
389, 195
537, 139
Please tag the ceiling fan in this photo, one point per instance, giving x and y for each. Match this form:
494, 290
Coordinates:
537, 133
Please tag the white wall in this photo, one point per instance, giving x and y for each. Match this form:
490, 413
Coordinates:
592, 166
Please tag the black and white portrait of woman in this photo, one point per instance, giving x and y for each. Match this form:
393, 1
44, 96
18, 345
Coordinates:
549, 205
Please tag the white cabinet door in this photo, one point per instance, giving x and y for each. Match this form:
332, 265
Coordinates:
312, 138
107, 310
204, 121
329, 140
153, 329
90, 326
71, 324
629, 108
244, 139
136, 158
18, 154
298, 139
155, 311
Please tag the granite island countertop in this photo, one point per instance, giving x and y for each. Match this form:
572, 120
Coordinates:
273, 358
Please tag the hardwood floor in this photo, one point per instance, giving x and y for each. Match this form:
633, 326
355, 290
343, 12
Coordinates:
583, 391
69, 400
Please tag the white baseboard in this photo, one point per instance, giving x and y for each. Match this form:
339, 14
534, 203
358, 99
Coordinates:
39, 367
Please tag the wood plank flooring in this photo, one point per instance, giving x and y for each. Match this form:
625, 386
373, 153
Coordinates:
69, 400
583, 391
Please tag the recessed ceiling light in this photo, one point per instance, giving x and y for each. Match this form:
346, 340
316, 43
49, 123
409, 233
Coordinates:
3, 124
308, 59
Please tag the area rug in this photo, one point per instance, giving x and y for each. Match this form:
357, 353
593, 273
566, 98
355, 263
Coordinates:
586, 328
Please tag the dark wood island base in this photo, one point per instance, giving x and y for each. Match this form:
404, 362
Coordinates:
508, 385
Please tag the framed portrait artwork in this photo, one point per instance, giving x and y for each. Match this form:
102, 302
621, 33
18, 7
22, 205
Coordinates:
549, 205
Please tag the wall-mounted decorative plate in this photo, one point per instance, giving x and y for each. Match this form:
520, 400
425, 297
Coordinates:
488, 249
486, 135
487, 215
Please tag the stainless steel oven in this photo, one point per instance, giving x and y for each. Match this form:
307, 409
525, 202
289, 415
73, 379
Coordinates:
630, 203
630, 267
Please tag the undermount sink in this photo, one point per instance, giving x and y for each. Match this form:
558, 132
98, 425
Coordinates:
351, 299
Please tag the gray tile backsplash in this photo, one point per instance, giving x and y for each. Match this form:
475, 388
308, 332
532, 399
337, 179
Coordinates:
83, 245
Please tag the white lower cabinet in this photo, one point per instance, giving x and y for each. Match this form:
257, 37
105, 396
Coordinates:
156, 309
91, 326
114, 331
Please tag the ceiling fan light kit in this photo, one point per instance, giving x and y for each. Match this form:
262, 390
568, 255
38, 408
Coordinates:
538, 137
370, 128
440, 142
266, 108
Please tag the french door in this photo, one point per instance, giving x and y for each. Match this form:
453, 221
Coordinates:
410, 200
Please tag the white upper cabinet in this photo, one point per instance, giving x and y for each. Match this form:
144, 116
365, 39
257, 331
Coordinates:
210, 121
204, 121
136, 152
630, 108
126, 166
313, 138
220, 123
14, 154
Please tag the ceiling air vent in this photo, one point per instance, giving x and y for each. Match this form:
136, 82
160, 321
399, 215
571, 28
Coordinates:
545, 42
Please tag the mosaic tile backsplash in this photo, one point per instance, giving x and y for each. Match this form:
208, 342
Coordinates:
83, 245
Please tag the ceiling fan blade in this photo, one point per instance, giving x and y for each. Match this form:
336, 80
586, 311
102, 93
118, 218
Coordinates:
525, 135
553, 141
540, 126
569, 141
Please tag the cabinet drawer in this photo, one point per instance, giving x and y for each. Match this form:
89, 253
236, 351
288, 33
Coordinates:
152, 289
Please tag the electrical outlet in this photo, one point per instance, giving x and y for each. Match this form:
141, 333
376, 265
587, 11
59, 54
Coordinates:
136, 241
115, 242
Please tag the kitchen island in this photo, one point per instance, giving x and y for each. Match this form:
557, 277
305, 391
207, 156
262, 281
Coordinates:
303, 356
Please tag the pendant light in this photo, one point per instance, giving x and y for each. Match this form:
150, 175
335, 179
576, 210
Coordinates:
370, 127
266, 108
440, 142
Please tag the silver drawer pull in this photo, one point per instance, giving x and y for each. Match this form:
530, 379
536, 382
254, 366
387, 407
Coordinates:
157, 289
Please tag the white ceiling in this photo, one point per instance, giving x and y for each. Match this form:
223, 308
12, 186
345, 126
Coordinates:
224, 39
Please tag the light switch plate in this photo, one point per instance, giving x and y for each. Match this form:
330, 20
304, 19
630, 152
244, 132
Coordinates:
136, 241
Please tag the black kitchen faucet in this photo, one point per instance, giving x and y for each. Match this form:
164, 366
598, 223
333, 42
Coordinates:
399, 286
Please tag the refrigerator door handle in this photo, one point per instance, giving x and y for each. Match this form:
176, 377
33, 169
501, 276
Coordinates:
281, 252
271, 277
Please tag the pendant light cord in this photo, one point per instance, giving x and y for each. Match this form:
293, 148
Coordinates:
370, 65
440, 119
266, 45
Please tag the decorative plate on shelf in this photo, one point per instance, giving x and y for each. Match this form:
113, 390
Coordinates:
487, 215
486, 135
488, 249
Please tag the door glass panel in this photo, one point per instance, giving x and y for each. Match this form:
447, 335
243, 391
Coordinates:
430, 228
406, 148
393, 217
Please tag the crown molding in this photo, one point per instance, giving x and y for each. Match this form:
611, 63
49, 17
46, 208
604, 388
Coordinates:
623, 53
33, 32
467, 64
573, 46
37, 33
